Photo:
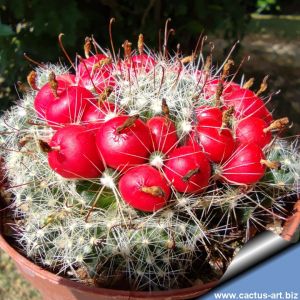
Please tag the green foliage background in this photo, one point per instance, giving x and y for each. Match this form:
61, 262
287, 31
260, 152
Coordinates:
32, 26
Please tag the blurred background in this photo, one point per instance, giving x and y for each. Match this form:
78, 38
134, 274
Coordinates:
268, 31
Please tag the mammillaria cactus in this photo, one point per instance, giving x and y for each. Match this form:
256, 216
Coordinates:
144, 171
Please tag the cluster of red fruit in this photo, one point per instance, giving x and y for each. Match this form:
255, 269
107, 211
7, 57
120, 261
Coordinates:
229, 136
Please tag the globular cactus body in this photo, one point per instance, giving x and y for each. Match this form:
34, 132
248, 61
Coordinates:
140, 112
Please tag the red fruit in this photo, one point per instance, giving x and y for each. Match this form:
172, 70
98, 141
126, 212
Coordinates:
69, 106
211, 86
135, 65
163, 133
188, 170
268, 117
144, 188
89, 65
244, 166
205, 112
45, 96
253, 130
143, 61
247, 104
218, 144
95, 115
67, 77
127, 147
74, 153
101, 74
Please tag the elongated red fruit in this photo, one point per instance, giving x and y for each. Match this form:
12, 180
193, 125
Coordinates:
69, 106
163, 132
68, 78
188, 170
218, 144
205, 112
144, 188
211, 86
45, 95
253, 130
90, 65
124, 142
74, 153
142, 62
244, 166
96, 114
247, 104
95, 70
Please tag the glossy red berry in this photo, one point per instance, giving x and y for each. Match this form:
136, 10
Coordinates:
95, 71
89, 65
247, 104
45, 95
144, 188
96, 114
122, 146
216, 142
143, 62
188, 170
211, 86
68, 78
253, 130
205, 112
69, 106
74, 153
244, 166
163, 133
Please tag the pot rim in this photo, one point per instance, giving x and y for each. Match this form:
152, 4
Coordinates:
56, 279
292, 223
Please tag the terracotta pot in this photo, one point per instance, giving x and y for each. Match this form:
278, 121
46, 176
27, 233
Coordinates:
53, 287
292, 224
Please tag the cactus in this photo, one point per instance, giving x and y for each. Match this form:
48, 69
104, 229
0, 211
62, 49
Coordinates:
82, 229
